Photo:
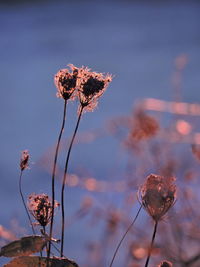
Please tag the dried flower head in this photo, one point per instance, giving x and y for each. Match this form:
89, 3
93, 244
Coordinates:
144, 126
65, 81
196, 151
91, 86
113, 221
165, 264
157, 195
41, 208
24, 160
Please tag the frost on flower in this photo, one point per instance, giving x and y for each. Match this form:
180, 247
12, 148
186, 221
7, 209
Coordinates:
65, 81
91, 85
157, 195
41, 208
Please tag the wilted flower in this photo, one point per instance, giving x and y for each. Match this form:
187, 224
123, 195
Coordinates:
65, 81
24, 160
157, 195
91, 86
165, 264
41, 208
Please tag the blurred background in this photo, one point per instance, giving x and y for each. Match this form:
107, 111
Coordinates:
153, 50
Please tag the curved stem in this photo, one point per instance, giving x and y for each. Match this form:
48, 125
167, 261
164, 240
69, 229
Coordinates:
152, 241
22, 197
128, 229
64, 181
53, 177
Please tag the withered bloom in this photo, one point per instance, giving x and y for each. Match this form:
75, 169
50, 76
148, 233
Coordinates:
65, 81
196, 151
165, 264
41, 208
113, 222
91, 86
24, 160
157, 195
144, 126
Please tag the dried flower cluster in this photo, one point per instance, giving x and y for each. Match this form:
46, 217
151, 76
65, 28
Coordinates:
81, 82
113, 221
41, 208
144, 126
91, 86
65, 81
24, 160
157, 195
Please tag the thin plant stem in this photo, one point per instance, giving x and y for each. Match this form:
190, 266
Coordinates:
44, 233
124, 235
64, 180
22, 197
53, 177
151, 246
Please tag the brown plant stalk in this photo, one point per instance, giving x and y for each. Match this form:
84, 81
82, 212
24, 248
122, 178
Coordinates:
124, 235
65, 179
23, 166
23, 201
152, 241
53, 176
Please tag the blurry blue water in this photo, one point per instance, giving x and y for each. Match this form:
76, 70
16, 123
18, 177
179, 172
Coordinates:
136, 42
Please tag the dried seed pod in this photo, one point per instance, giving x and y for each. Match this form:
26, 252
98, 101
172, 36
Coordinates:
157, 195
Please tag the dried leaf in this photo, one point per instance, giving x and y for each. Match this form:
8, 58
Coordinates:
24, 246
35, 261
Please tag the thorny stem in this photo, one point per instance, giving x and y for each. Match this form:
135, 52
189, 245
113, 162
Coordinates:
128, 229
152, 241
53, 179
64, 180
20, 190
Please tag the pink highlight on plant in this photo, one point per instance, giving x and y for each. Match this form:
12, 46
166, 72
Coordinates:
24, 160
91, 85
65, 81
40, 207
158, 195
